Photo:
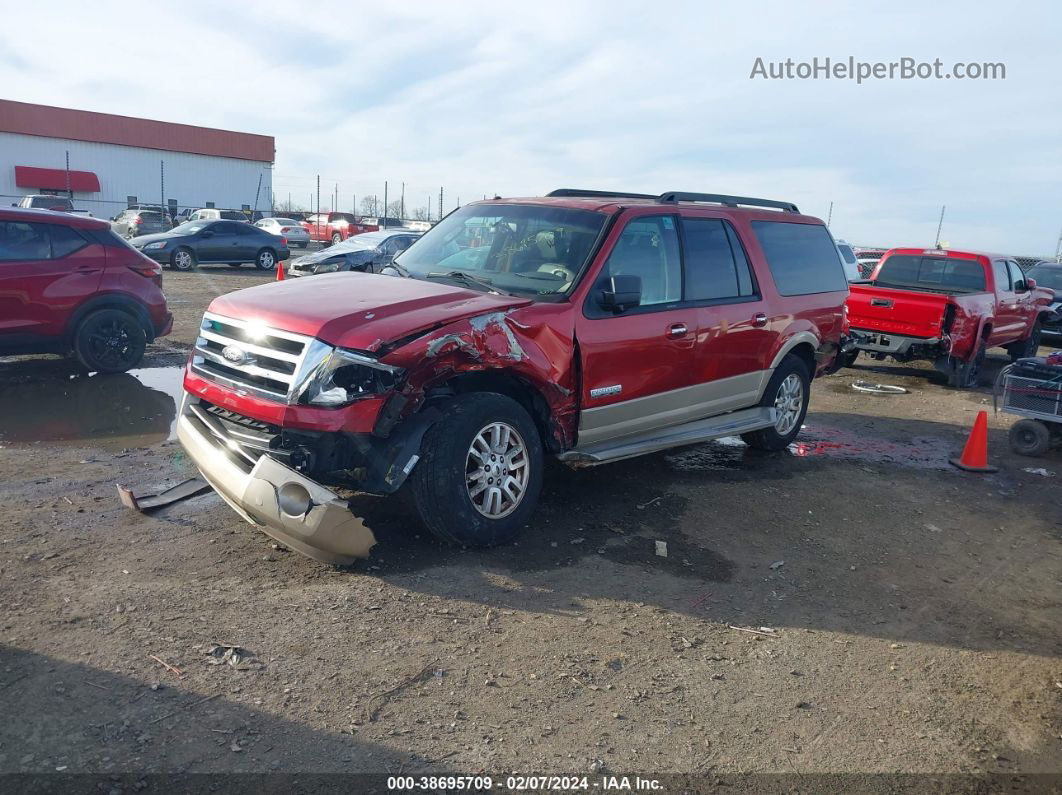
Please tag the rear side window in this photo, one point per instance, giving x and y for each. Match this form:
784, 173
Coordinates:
999, 270
716, 266
648, 248
933, 273
802, 257
847, 253
65, 240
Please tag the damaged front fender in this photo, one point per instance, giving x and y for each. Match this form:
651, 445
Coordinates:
534, 344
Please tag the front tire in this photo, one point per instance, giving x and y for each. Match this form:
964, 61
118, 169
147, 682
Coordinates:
337, 239
109, 341
266, 260
183, 259
787, 392
1029, 346
480, 472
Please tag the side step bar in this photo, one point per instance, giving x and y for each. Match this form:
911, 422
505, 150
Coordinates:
677, 436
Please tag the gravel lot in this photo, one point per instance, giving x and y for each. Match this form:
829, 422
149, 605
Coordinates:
913, 611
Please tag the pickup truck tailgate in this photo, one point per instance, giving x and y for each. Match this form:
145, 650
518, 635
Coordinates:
910, 313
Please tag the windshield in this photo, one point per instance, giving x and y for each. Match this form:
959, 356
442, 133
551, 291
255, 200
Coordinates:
519, 248
1047, 276
938, 274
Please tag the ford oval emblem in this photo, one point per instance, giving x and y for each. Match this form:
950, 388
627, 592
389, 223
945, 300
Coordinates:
234, 354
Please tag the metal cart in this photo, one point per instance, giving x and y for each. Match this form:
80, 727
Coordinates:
1032, 389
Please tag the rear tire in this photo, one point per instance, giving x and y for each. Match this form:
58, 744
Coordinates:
1030, 437
788, 391
183, 259
480, 472
109, 341
967, 375
266, 260
1028, 346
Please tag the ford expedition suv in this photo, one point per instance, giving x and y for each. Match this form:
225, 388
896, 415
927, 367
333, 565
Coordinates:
948, 307
585, 325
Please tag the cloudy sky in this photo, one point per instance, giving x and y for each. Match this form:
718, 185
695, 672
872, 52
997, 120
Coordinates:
519, 98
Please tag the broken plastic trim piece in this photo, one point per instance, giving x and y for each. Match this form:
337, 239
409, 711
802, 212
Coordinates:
151, 502
878, 389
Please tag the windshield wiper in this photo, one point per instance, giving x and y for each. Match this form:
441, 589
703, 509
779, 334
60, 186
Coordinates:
461, 276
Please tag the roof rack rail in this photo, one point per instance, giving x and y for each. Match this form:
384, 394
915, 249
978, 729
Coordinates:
674, 196
596, 194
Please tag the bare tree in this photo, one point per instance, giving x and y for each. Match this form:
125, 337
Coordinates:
287, 206
420, 214
394, 209
368, 205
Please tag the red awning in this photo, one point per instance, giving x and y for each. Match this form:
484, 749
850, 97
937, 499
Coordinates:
55, 179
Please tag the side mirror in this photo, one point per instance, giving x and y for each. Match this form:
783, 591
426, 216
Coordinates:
623, 292
207, 233
1030, 284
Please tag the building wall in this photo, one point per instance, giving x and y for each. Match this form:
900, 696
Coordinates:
191, 179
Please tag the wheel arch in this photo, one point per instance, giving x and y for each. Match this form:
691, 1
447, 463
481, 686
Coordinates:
110, 301
802, 344
505, 383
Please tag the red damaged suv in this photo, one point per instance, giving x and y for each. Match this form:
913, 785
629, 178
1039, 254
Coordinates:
69, 284
585, 325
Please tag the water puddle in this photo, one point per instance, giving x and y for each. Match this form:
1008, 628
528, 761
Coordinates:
134, 409
817, 441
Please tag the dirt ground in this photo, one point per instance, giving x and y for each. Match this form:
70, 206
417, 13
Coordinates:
906, 615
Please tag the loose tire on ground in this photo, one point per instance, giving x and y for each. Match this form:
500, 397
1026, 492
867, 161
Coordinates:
1030, 437
791, 382
441, 486
109, 341
183, 259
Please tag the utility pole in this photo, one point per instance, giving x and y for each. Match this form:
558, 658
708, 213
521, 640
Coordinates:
940, 224
829, 216
318, 205
69, 193
429, 211
1058, 248
440, 203
402, 212
385, 205
257, 191
162, 186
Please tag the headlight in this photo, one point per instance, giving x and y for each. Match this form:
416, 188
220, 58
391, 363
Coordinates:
335, 377
327, 267
155, 246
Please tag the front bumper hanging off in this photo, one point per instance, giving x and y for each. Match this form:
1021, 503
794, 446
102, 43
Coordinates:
283, 503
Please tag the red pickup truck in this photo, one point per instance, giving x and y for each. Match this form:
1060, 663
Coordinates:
587, 325
948, 307
334, 228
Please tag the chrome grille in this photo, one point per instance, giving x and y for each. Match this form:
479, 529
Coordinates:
251, 356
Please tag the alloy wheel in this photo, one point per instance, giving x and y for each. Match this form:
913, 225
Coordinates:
789, 401
497, 470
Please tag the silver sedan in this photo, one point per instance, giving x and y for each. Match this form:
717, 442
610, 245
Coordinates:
286, 227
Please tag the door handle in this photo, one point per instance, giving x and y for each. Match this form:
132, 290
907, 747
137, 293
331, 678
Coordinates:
86, 269
677, 331
759, 320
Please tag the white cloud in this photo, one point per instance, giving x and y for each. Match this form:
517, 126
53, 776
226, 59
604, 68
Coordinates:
520, 98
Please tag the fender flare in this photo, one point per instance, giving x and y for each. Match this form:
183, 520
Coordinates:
792, 342
110, 301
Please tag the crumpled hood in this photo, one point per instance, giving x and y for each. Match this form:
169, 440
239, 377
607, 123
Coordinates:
330, 252
359, 311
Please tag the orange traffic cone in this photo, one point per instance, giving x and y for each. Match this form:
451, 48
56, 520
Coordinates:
280, 271
974, 456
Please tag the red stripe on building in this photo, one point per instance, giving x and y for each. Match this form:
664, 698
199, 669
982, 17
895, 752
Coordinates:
106, 128
55, 179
